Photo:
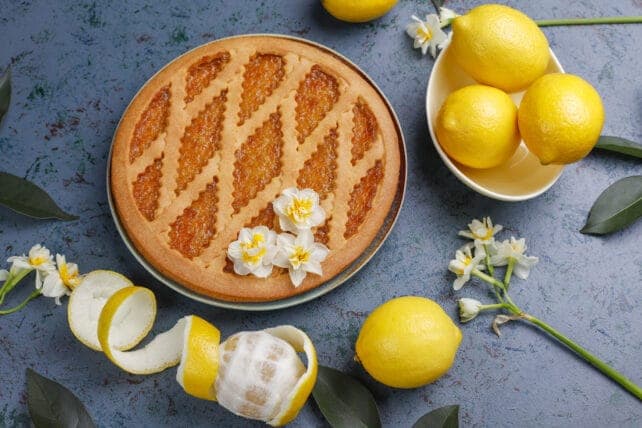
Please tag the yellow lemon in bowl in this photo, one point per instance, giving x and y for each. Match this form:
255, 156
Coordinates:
477, 126
499, 46
407, 342
358, 10
560, 118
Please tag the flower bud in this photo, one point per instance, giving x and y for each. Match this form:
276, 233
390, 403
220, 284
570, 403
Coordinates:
468, 309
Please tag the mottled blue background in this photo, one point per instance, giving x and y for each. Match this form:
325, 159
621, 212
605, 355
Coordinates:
75, 67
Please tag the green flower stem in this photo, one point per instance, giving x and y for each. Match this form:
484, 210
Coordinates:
491, 268
609, 371
32, 296
498, 286
489, 279
11, 282
509, 272
493, 306
590, 21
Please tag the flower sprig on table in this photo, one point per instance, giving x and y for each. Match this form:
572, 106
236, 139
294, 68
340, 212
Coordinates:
484, 253
54, 278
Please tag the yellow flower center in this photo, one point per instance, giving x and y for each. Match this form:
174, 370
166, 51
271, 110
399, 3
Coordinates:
425, 34
257, 240
253, 257
37, 261
299, 256
487, 235
299, 209
70, 279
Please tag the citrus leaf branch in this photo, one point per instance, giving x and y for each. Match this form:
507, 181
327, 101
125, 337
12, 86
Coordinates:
53, 405
619, 145
344, 401
443, 417
5, 92
617, 207
26, 198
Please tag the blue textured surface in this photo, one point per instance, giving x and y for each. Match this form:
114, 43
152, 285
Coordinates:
77, 65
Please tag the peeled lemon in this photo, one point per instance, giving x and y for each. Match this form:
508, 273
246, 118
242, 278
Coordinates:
255, 374
561, 118
262, 377
477, 126
499, 46
408, 342
358, 10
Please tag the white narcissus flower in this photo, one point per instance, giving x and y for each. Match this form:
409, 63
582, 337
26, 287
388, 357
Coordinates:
482, 232
39, 259
468, 309
60, 282
427, 34
514, 249
253, 251
465, 263
446, 16
4, 274
300, 255
298, 210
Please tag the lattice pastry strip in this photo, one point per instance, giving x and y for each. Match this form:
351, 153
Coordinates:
213, 138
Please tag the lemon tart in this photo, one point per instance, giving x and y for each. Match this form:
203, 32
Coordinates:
215, 136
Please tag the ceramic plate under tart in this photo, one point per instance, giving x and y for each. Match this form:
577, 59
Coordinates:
522, 177
218, 133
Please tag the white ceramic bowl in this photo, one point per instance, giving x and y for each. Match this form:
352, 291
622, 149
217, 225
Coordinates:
522, 177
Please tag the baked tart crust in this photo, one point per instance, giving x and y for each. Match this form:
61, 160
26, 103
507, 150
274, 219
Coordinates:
219, 132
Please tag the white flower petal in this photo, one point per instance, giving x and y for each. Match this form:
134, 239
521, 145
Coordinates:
245, 235
234, 250
240, 268
314, 267
297, 276
466, 234
262, 271
281, 259
411, 29
459, 282
521, 271
290, 192
319, 252
318, 216
286, 225
52, 286
305, 239
286, 239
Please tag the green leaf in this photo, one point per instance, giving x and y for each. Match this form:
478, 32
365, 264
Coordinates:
617, 207
5, 92
53, 405
443, 417
619, 145
344, 401
26, 198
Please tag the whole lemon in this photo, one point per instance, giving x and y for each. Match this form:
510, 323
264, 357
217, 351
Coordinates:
358, 10
408, 342
560, 118
477, 126
499, 46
